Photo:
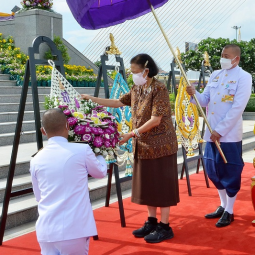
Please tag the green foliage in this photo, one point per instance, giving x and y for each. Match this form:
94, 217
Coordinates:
193, 59
172, 102
250, 107
60, 45
98, 63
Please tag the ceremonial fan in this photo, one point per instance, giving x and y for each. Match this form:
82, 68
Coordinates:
95, 14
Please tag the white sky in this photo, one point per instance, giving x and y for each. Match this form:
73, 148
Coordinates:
178, 33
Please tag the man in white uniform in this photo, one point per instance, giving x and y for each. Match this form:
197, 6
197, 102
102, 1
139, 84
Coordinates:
226, 96
60, 183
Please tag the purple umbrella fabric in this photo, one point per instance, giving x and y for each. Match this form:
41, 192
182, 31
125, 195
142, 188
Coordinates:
95, 14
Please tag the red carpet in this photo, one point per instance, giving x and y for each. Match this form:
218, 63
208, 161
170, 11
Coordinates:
193, 233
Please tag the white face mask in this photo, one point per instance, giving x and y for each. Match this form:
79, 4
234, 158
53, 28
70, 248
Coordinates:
226, 63
139, 79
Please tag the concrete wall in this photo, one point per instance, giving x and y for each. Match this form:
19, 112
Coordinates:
77, 58
27, 25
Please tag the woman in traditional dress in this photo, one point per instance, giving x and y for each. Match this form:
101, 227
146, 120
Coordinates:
155, 175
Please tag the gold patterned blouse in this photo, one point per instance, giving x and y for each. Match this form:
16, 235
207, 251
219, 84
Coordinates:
160, 141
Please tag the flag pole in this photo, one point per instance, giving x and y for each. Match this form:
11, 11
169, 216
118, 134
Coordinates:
188, 82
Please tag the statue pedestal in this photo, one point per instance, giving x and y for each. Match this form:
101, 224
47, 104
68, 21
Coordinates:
253, 196
27, 25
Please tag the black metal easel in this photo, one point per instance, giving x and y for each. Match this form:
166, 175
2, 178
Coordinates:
172, 79
186, 160
206, 70
113, 167
30, 72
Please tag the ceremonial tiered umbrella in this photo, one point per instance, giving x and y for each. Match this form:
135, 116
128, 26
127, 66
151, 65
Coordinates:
95, 14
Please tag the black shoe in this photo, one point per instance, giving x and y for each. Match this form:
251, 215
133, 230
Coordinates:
159, 235
145, 229
217, 214
225, 220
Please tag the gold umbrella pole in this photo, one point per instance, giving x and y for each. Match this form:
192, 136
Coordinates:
186, 78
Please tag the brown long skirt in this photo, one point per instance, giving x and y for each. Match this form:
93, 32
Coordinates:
155, 181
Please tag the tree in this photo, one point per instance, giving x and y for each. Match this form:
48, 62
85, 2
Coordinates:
193, 59
98, 63
60, 45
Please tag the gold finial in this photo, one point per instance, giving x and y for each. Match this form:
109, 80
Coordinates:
113, 49
206, 59
178, 54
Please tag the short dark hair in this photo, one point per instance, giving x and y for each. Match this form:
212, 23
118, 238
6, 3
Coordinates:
235, 48
141, 60
54, 120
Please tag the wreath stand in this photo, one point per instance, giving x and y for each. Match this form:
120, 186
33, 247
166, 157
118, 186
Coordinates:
187, 159
113, 167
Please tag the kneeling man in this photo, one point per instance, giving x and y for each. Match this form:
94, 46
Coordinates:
60, 183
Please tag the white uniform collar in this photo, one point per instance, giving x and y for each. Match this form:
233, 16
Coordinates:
57, 139
233, 69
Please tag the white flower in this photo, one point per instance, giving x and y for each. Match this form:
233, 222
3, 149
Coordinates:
105, 153
39, 5
27, 3
107, 136
96, 150
110, 153
71, 133
77, 139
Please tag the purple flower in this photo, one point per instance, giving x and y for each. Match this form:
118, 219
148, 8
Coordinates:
86, 138
114, 142
100, 131
88, 129
79, 130
98, 141
62, 106
95, 131
108, 131
67, 112
72, 121
112, 129
77, 103
107, 144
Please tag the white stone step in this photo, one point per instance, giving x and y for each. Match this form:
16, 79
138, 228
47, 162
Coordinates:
19, 182
7, 83
4, 77
26, 137
7, 127
15, 98
14, 107
12, 116
44, 90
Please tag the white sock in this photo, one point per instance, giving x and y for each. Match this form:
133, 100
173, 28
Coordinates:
223, 197
230, 204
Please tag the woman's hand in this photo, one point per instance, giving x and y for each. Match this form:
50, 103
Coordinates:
85, 96
125, 138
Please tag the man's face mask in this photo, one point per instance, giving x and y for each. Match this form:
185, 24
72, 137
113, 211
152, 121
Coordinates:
226, 63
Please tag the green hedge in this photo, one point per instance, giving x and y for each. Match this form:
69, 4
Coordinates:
250, 107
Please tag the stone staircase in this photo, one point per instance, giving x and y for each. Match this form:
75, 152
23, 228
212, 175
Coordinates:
24, 209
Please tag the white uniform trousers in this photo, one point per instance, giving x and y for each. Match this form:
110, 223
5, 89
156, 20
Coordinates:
79, 246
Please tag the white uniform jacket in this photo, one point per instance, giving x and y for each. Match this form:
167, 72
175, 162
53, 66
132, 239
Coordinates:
60, 183
226, 96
